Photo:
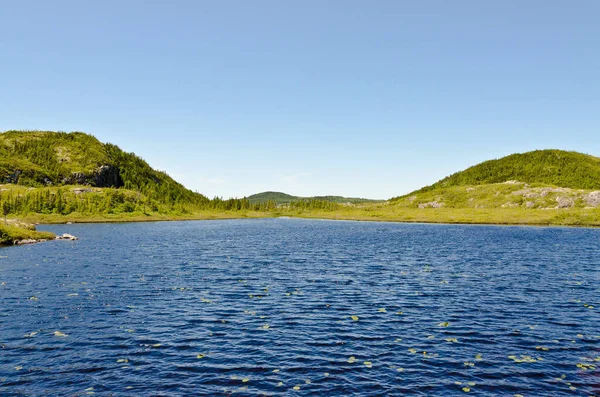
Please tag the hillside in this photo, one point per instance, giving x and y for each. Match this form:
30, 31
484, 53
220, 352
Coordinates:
547, 167
284, 198
542, 179
60, 174
46, 158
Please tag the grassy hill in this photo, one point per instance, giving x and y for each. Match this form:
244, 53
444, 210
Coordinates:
284, 198
45, 173
46, 158
547, 167
542, 179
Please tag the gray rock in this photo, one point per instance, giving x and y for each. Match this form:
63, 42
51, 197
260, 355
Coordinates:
565, 202
593, 199
107, 176
25, 241
67, 236
431, 204
79, 190
530, 204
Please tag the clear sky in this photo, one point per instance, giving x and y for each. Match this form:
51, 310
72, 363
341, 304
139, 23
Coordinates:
357, 98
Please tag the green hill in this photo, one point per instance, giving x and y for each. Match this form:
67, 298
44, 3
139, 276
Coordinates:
542, 179
276, 197
58, 173
45, 158
549, 167
280, 198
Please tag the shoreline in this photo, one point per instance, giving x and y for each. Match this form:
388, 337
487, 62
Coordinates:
461, 216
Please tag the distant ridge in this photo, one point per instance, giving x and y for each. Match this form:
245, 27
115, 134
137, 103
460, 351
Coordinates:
284, 198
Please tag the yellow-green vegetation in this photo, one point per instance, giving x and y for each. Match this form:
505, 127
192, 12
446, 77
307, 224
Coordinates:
547, 167
54, 177
9, 233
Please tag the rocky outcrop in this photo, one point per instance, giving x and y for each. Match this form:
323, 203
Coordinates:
76, 178
593, 199
431, 204
564, 202
103, 176
107, 176
28, 241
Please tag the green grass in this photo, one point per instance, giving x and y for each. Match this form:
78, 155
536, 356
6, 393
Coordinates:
10, 233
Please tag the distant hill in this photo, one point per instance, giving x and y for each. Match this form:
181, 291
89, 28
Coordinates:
284, 198
550, 167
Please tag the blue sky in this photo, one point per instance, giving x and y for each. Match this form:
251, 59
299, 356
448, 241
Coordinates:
356, 98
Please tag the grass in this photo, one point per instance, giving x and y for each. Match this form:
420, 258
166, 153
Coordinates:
379, 212
10, 233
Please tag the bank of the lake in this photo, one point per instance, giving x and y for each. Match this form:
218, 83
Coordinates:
588, 217
14, 234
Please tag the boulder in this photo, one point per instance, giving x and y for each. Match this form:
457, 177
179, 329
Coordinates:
565, 202
593, 199
67, 236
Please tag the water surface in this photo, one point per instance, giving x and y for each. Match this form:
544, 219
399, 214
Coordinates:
260, 307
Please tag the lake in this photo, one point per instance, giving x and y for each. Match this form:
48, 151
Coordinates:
302, 307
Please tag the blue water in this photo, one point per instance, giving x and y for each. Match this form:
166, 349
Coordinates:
258, 307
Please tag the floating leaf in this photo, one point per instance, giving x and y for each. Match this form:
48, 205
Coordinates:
245, 380
355, 318
280, 384
122, 360
58, 333
444, 324
466, 389
200, 355
297, 387
352, 359
382, 310
368, 364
